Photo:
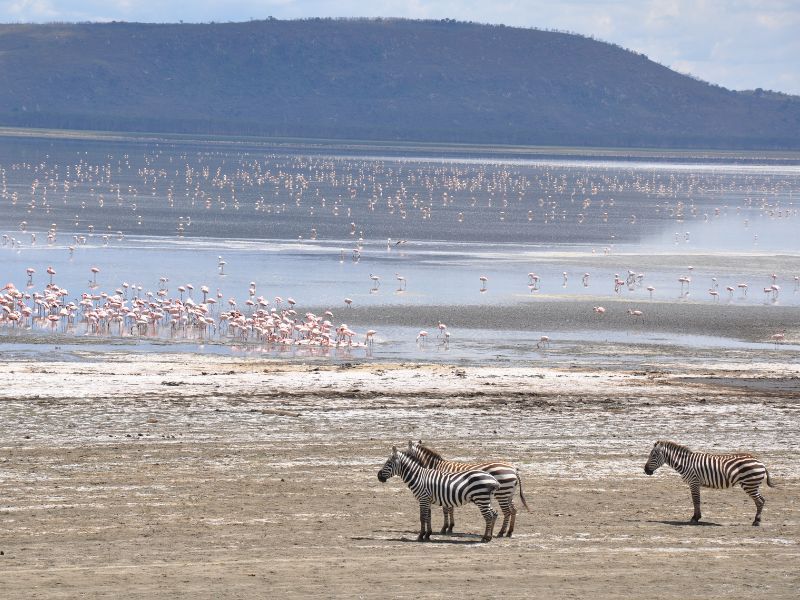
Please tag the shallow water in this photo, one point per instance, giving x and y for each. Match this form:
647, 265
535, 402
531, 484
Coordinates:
143, 211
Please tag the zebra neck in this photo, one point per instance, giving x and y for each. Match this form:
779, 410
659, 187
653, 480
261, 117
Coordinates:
677, 458
408, 469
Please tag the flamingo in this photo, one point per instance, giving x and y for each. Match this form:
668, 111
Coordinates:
401, 281
422, 336
369, 337
30, 271
51, 271
544, 342
636, 314
684, 281
348, 302
483, 279
376, 280
600, 310
779, 338
650, 289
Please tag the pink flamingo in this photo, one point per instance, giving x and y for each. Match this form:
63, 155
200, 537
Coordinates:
636, 314
544, 342
483, 280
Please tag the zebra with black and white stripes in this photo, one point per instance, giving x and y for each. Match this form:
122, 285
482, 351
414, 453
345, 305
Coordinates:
701, 469
446, 489
506, 474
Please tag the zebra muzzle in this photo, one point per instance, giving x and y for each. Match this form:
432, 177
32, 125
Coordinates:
648, 471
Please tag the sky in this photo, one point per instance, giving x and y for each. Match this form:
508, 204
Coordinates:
738, 44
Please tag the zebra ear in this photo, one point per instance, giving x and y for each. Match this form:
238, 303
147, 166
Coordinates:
410, 445
394, 450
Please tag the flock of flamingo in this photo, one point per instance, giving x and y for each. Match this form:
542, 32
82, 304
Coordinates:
176, 313
132, 311
171, 191
103, 194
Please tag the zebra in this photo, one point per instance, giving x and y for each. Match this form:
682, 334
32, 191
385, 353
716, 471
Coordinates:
447, 489
701, 469
507, 476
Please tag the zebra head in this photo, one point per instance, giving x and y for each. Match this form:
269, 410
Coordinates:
656, 458
391, 467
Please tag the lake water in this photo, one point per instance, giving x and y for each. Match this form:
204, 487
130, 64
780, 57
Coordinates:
320, 225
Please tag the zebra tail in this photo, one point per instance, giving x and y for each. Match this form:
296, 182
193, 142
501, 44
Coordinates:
521, 497
769, 479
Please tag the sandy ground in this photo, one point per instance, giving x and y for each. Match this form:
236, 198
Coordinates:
169, 476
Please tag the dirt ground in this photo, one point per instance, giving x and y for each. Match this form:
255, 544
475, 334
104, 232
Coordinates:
220, 478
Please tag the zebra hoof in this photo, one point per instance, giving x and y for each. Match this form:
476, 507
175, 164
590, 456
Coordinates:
509, 534
501, 533
757, 523
486, 539
443, 531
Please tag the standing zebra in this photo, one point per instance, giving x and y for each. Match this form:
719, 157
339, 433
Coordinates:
446, 489
701, 469
507, 476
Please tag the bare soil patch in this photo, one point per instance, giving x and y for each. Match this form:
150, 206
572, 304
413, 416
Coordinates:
218, 478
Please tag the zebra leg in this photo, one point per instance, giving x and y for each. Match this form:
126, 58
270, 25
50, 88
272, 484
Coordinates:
428, 530
452, 512
759, 500
507, 506
694, 487
490, 516
424, 520
447, 525
513, 519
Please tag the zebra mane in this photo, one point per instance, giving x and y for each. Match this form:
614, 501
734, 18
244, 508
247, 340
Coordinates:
674, 446
428, 450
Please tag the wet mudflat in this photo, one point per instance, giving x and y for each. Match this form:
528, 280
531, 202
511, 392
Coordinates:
215, 477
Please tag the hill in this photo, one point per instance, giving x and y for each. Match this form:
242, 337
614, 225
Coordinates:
438, 81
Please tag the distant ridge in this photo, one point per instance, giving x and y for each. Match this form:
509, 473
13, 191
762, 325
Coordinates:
376, 79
